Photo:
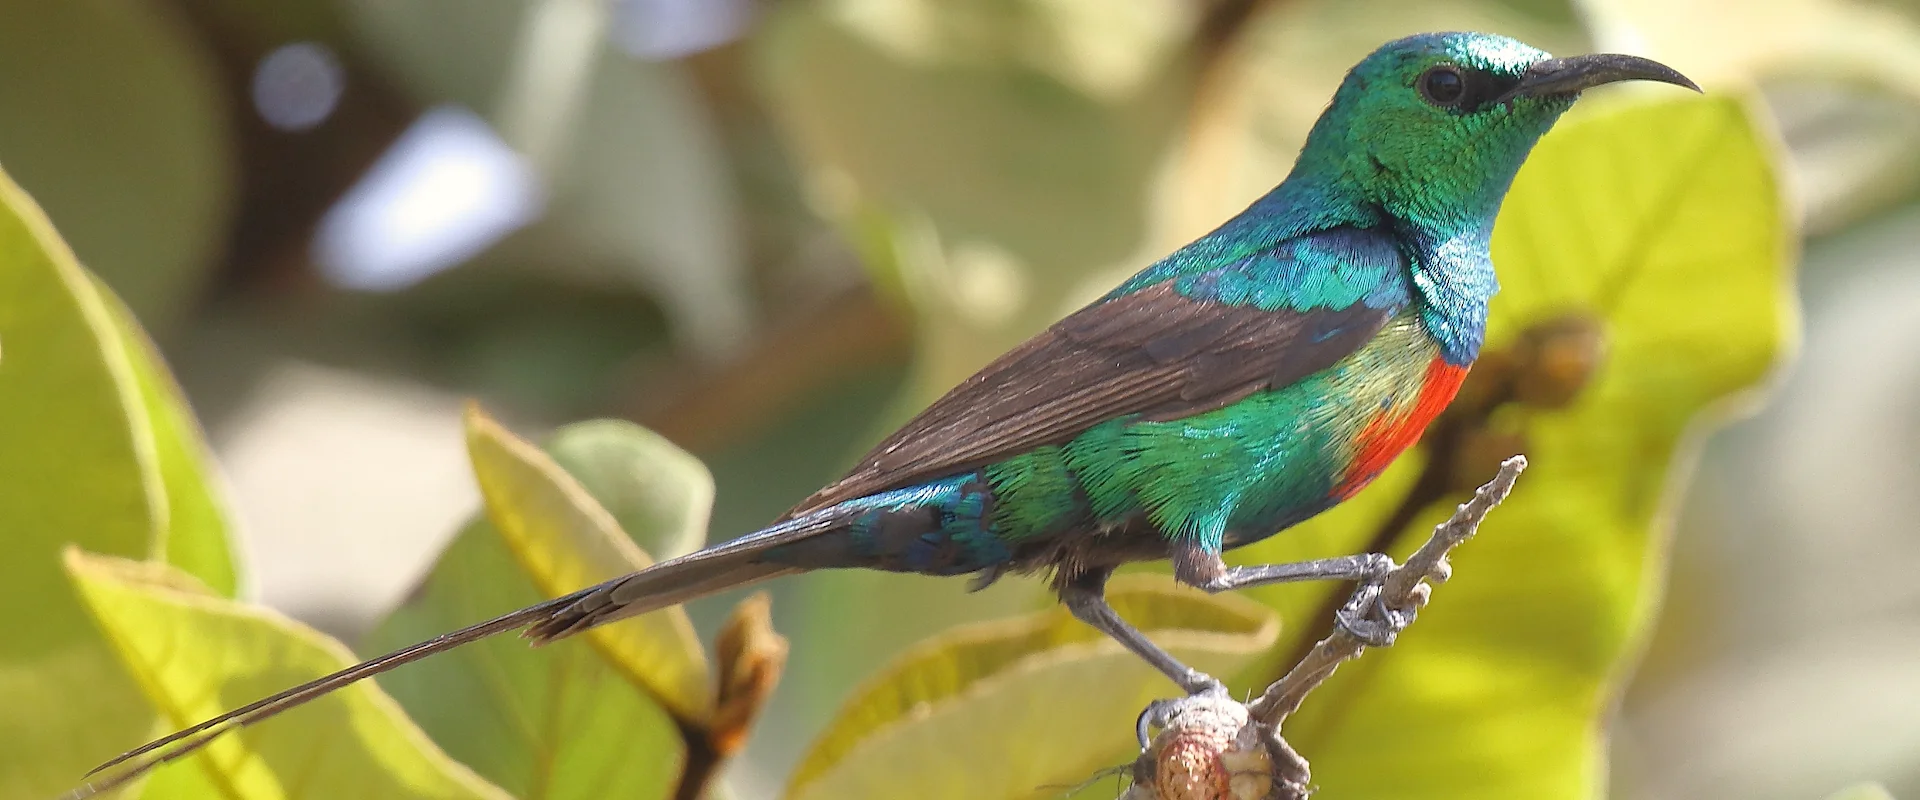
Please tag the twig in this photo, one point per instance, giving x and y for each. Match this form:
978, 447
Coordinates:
1212, 747
1404, 591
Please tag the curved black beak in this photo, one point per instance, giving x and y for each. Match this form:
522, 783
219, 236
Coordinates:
1565, 76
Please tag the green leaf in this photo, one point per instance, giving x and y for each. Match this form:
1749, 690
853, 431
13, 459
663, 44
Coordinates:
1664, 222
564, 541
659, 494
99, 452
558, 722
1021, 707
353, 743
198, 533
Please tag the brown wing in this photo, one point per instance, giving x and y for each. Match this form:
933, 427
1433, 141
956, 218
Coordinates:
1154, 352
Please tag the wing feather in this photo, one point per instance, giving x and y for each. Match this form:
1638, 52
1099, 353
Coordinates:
1154, 353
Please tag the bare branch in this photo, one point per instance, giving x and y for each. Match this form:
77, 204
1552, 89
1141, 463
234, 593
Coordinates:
1214, 748
1404, 591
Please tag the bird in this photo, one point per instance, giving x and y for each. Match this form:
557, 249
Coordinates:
1249, 380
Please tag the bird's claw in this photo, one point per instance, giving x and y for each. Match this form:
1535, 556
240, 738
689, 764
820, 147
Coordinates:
1153, 716
1367, 616
1156, 714
1379, 565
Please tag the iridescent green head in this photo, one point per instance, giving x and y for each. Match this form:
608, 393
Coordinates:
1433, 127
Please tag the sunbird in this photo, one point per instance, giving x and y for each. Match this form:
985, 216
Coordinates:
1254, 378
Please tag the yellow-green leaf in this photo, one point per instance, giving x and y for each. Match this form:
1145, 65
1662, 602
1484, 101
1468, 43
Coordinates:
558, 722
1021, 707
196, 655
565, 541
198, 533
660, 494
96, 453
1664, 222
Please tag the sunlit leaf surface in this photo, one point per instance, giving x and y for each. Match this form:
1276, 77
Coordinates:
561, 721
353, 743
660, 494
565, 540
99, 451
198, 536
556, 722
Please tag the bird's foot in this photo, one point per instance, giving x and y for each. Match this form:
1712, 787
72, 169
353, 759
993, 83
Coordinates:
1367, 617
1156, 714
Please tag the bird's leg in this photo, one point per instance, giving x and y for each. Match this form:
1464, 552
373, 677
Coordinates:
1085, 596
1368, 568
1368, 619
1196, 566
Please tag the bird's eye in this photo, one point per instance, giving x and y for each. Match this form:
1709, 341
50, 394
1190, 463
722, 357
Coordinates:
1443, 86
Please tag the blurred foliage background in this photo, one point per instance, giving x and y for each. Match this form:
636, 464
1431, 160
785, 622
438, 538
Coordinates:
770, 229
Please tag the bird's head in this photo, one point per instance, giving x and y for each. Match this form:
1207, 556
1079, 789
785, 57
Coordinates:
1433, 127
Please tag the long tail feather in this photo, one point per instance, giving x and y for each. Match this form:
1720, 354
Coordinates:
642, 592
718, 568
714, 569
